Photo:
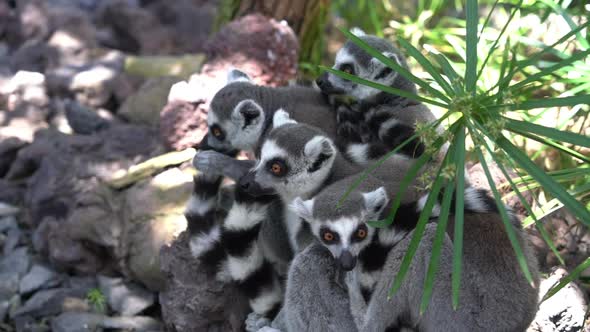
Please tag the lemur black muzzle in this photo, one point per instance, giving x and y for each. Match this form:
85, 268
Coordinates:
347, 260
249, 185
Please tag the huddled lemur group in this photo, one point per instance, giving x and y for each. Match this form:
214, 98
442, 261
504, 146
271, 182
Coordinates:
306, 262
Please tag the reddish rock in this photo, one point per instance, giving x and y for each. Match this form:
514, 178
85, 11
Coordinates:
182, 124
263, 48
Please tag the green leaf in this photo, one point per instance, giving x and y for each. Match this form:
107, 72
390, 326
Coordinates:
417, 234
427, 65
583, 42
567, 279
555, 134
545, 180
535, 57
505, 219
408, 178
526, 205
485, 23
382, 87
495, 44
551, 70
459, 214
546, 102
471, 47
450, 73
441, 232
394, 65
553, 144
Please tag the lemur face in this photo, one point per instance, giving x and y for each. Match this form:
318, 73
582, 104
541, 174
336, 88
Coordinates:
344, 234
355, 61
295, 159
235, 120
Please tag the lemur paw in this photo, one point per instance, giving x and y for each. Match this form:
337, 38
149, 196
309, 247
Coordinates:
347, 114
349, 133
256, 322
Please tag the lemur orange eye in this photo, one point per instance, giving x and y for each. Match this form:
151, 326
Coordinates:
276, 168
329, 237
216, 132
347, 68
361, 233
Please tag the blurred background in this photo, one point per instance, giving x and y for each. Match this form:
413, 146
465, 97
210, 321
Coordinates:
96, 138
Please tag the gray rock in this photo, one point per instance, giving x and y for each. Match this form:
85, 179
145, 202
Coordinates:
80, 321
7, 223
8, 285
49, 302
8, 210
12, 192
39, 277
564, 311
76, 322
15, 303
91, 83
126, 299
12, 240
136, 323
193, 301
82, 282
4, 305
18, 261
83, 120
145, 105
8, 150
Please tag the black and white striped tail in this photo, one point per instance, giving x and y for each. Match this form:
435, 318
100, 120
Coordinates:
246, 262
202, 216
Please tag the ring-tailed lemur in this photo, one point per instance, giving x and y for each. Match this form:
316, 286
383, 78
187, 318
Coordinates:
494, 295
345, 230
378, 122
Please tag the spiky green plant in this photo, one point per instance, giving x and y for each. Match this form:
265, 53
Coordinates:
489, 115
97, 299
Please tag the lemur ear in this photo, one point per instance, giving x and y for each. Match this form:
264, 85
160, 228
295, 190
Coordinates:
235, 75
319, 149
303, 209
375, 201
358, 32
281, 118
248, 112
380, 70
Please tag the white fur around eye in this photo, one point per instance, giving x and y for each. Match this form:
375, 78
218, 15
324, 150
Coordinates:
271, 150
281, 118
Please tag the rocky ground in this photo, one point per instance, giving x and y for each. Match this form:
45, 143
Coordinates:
87, 202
